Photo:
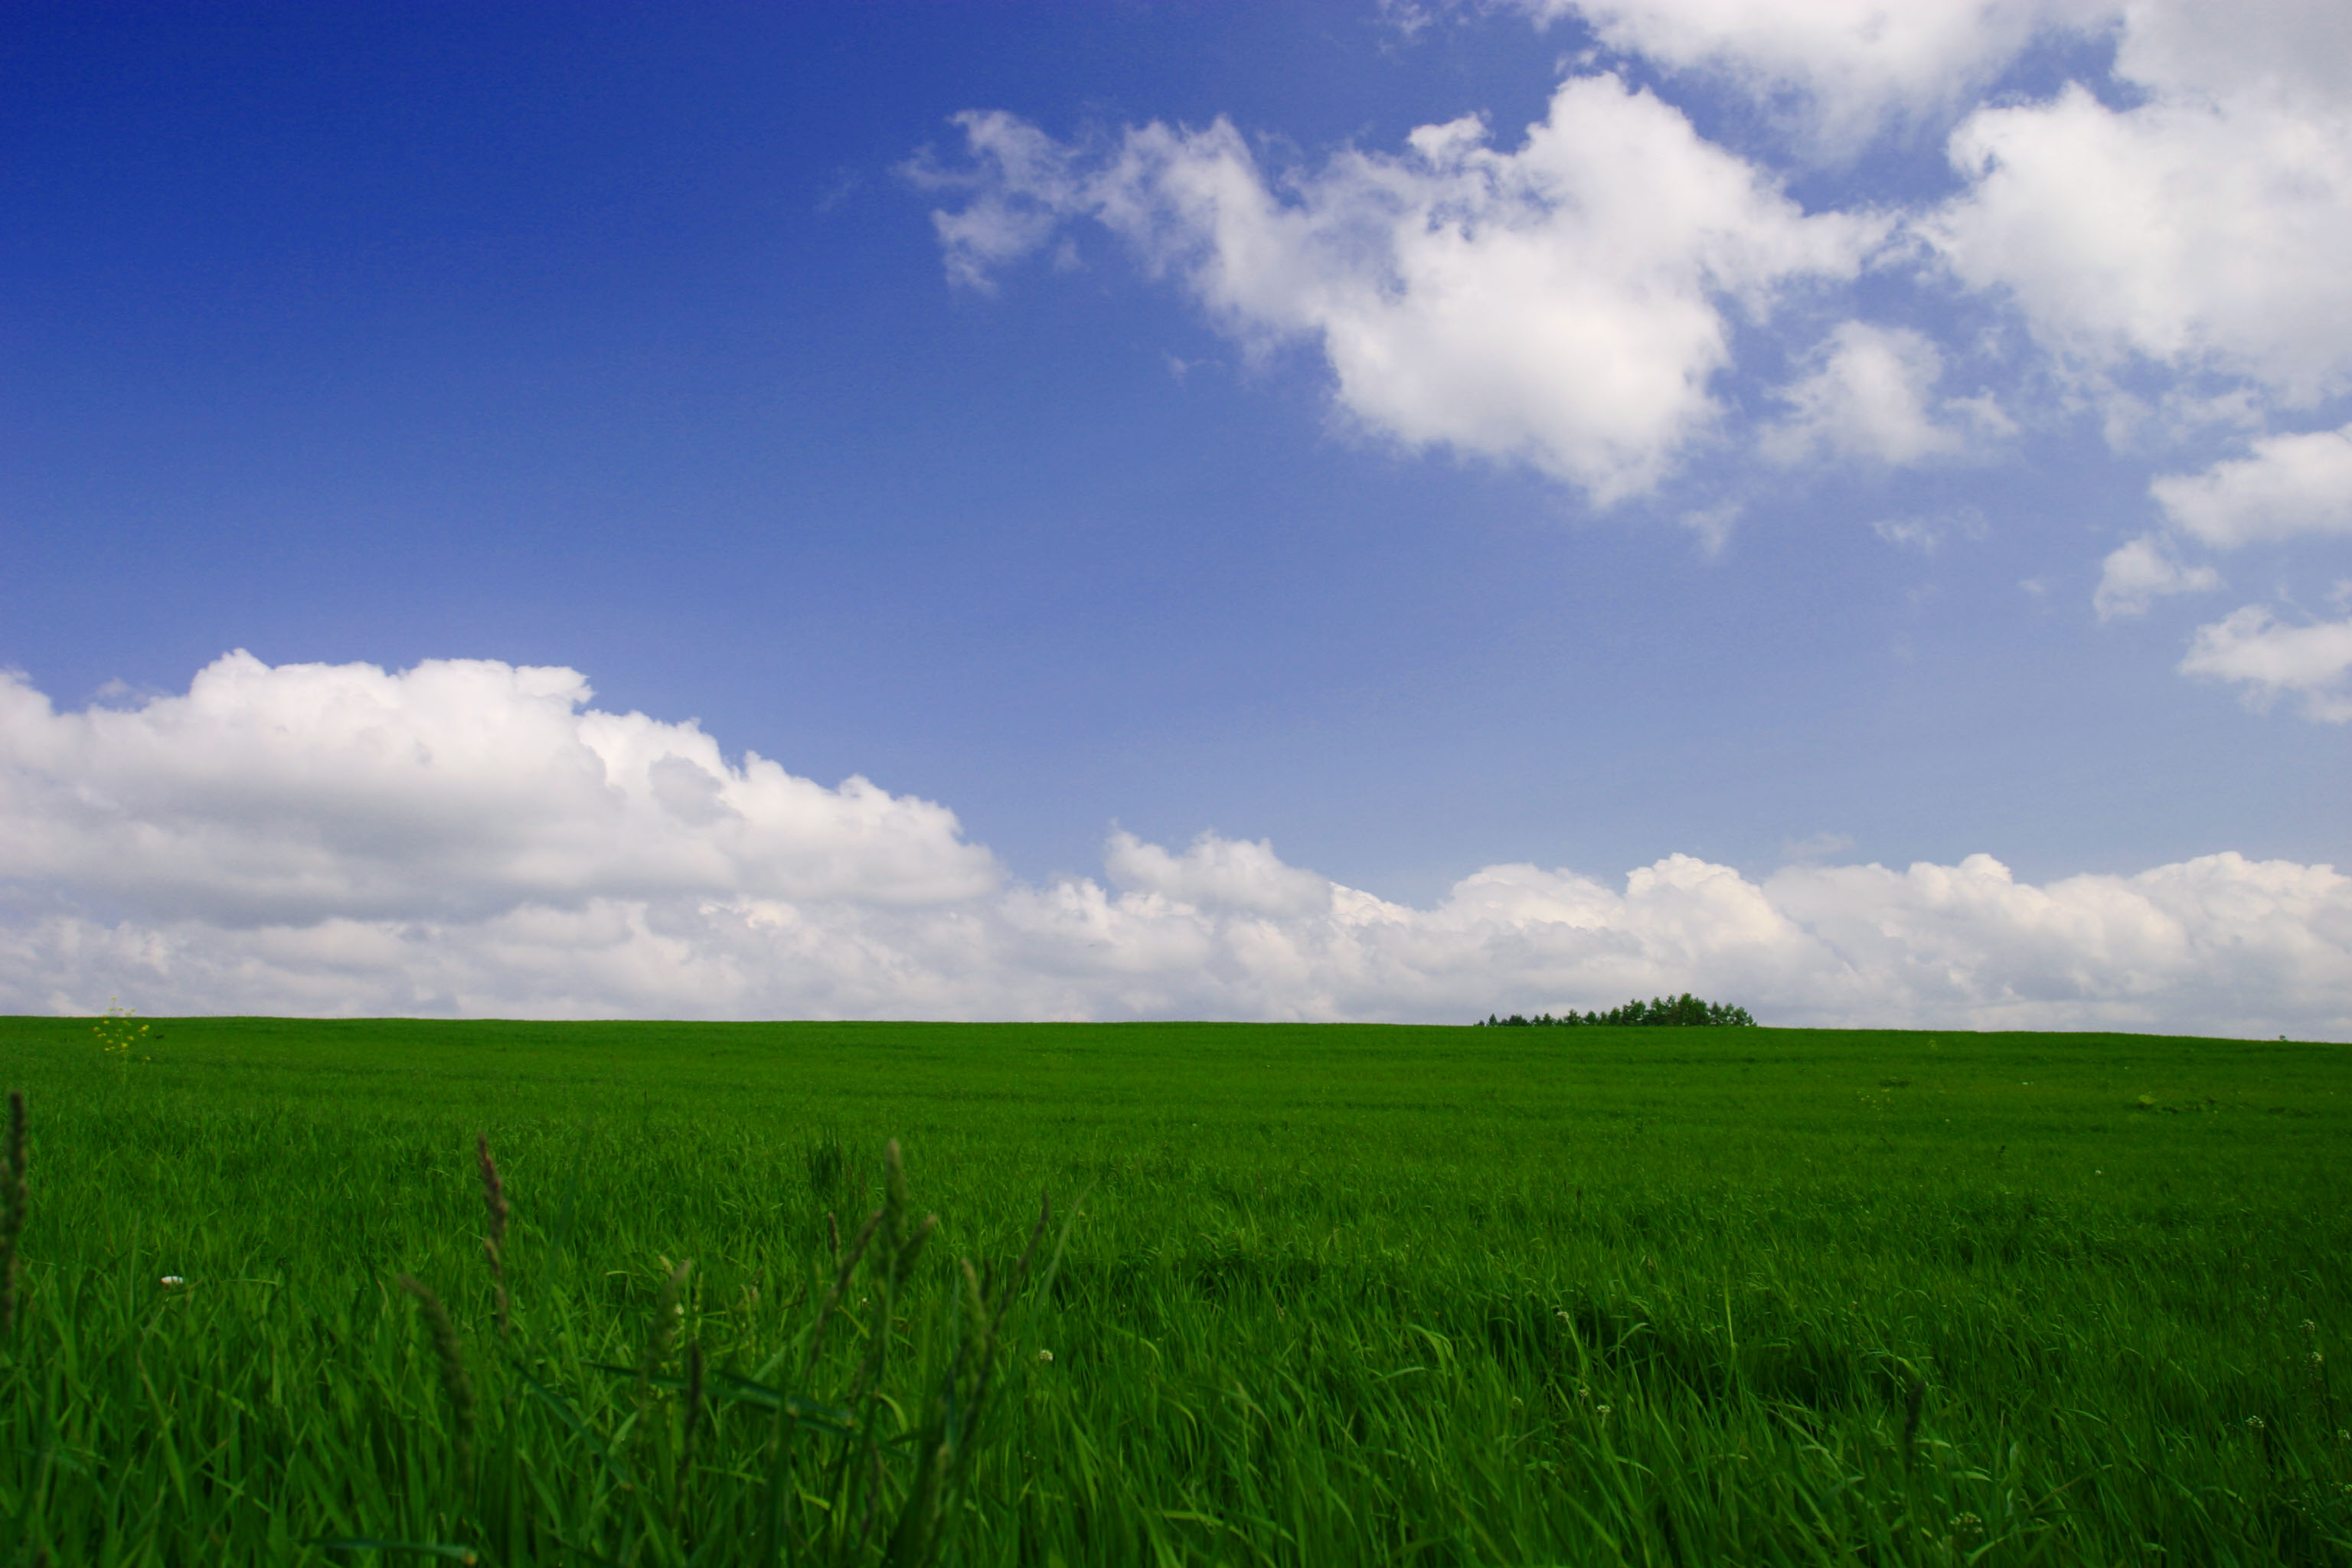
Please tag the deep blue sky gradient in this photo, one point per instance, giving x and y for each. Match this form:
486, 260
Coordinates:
611, 337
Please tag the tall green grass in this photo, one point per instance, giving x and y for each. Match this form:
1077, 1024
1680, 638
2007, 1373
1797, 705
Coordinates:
1326, 1296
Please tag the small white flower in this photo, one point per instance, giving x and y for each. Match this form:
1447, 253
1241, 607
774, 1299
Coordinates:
172, 1282
1044, 1355
2255, 1422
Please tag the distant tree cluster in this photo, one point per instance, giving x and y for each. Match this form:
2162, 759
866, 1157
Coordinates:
1685, 1011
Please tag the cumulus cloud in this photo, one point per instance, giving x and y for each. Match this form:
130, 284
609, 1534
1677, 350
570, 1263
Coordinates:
1970, 940
1871, 394
470, 838
2290, 485
1238, 875
2291, 51
1838, 70
1565, 303
2137, 573
2200, 229
2191, 218
456, 789
2269, 659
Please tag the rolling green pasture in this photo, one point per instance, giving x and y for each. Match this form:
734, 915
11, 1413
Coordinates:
1314, 1295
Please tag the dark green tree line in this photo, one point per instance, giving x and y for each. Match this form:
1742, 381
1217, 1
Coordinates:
1685, 1011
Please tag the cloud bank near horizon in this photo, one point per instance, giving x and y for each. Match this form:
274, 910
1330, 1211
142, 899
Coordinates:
472, 839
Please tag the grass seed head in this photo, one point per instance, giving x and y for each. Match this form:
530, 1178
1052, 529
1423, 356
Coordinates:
494, 1246
494, 1192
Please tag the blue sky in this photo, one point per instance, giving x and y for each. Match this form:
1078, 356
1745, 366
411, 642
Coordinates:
630, 341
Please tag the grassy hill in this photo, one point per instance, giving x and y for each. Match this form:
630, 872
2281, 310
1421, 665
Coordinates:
1323, 1294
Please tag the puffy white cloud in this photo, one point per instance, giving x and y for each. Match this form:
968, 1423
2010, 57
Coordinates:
468, 838
1563, 303
2137, 573
2202, 228
2194, 218
2219, 937
2290, 485
2249, 645
1871, 394
2294, 52
1837, 69
456, 788
1240, 875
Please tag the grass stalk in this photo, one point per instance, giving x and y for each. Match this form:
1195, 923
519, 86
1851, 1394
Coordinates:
15, 1206
494, 1245
456, 1386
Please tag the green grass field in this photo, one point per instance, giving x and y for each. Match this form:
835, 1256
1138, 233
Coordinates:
1322, 1295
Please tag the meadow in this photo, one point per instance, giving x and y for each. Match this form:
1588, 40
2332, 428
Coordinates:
1313, 1295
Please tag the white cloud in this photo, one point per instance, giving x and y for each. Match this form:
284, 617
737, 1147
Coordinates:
1023, 185
1910, 532
2139, 572
2248, 646
468, 838
2290, 485
2294, 52
2248, 940
2201, 229
1929, 534
1870, 395
1816, 847
2198, 227
460, 787
1838, 70
1240, 875
1562, 304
